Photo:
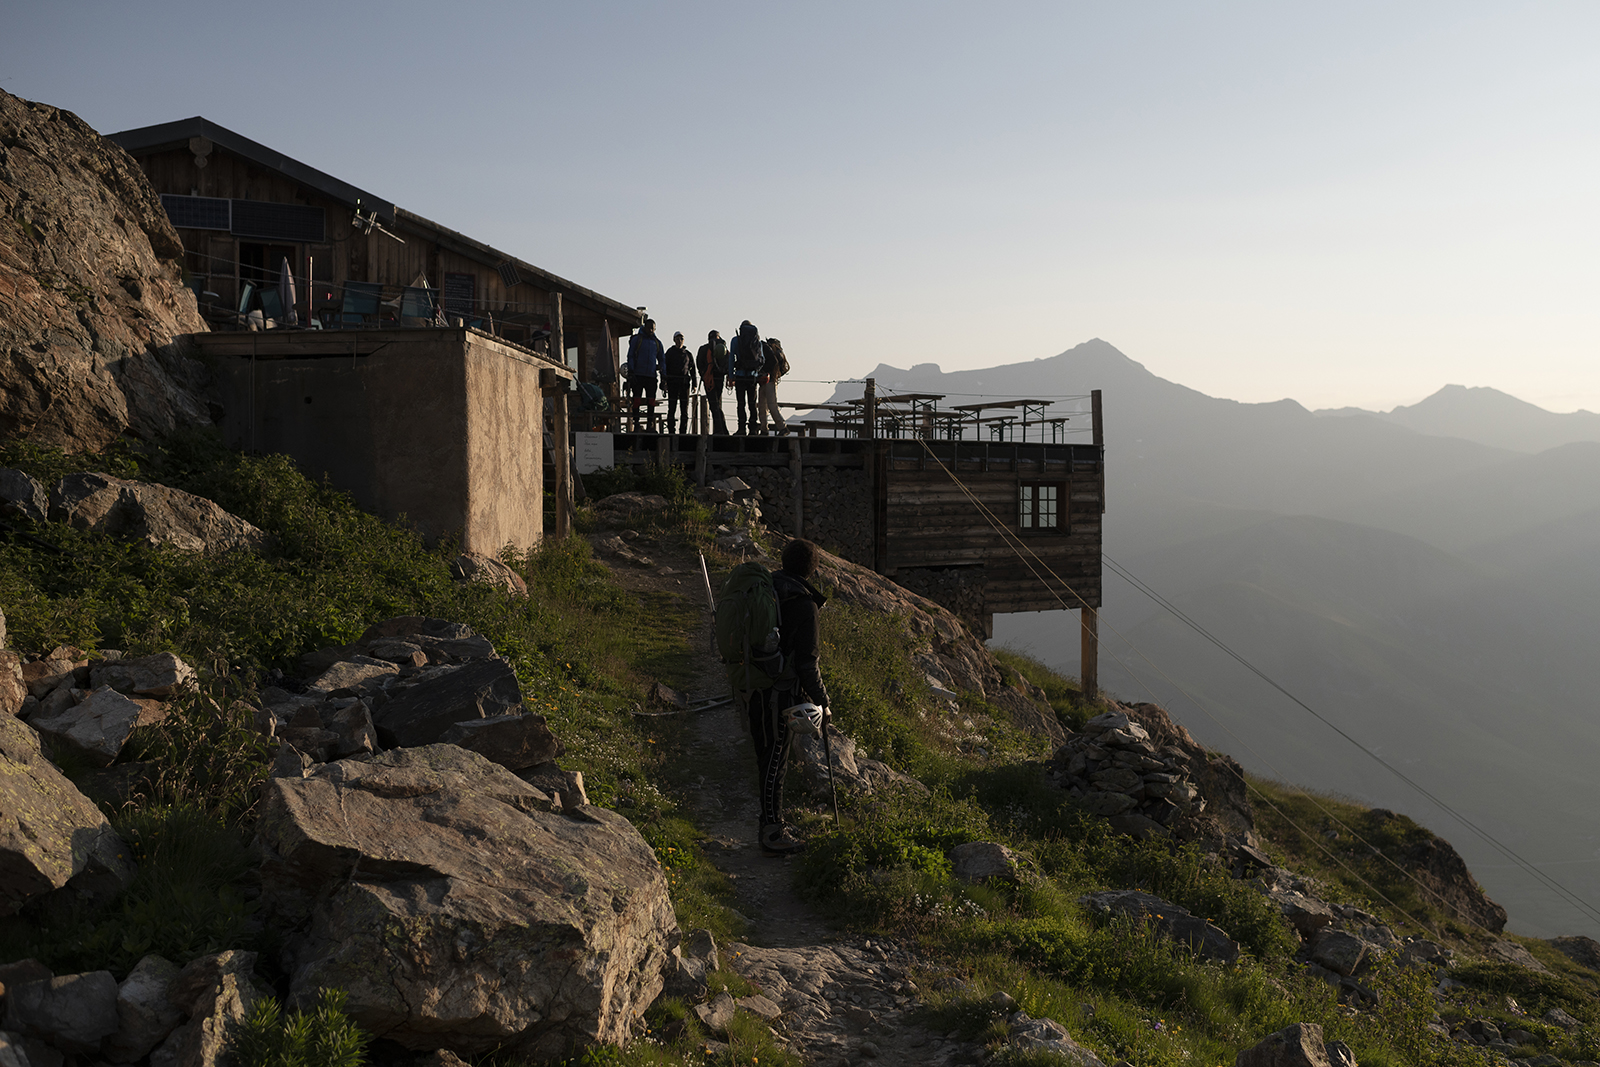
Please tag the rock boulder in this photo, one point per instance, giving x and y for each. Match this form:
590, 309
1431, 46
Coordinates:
456, 910
1170, 921
156, 514
50, 833
1300, 1045
161, 675
420, 714
74, 1012
95, 729
21, 495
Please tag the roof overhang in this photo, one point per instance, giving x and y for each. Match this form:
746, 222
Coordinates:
149, 139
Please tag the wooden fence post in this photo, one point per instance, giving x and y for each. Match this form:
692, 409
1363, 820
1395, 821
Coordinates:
797, 470
562, 460
1089, 658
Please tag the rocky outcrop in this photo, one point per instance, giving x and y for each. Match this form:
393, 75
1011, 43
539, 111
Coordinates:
144, 1015
22, 497
851, 768
1169, 920
458, 909
92, 301
155, 514
50, 834
1435, 863
474, 567
1300, 1045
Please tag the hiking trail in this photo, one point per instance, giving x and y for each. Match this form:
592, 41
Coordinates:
846, 999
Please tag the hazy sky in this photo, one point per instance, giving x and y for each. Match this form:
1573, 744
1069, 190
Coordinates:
1344, 204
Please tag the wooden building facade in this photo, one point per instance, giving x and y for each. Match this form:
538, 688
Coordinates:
241, 209
1006, 526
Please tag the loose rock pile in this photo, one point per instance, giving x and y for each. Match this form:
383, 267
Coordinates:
1116, 771
176, 1016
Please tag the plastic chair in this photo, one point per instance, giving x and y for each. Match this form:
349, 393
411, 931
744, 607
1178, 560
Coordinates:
360, 303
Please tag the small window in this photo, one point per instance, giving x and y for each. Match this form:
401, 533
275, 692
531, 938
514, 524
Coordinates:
1040, 506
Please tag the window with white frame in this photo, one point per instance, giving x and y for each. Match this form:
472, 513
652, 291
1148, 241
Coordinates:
1041, 506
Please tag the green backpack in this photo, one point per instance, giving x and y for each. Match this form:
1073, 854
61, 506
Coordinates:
747, 628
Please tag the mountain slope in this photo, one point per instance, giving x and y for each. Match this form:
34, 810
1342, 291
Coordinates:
1486, 416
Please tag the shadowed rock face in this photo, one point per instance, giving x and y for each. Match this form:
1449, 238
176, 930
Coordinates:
49, 832
457, 910
91, 291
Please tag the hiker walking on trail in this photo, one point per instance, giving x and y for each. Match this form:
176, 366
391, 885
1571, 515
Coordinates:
776, 367
746, 357
767, 633
712, 359
644, 368
677, 377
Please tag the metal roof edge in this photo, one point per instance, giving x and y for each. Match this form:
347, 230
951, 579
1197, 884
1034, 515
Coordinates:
171, 134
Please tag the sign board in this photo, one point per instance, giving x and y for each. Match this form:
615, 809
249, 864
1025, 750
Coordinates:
595, 452
460, 293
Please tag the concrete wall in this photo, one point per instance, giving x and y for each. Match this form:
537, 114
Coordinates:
442, 427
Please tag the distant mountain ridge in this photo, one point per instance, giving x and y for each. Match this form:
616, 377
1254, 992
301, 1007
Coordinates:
1487, 416
1434, 594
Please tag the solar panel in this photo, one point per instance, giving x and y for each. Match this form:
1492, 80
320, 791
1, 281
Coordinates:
278, 222
197, 212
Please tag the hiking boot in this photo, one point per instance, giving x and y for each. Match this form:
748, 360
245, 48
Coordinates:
779, 841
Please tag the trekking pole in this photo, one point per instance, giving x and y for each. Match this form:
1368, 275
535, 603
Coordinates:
827, 752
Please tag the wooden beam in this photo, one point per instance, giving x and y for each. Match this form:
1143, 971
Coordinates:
1089, 659
797, 472
701, 447
562, 460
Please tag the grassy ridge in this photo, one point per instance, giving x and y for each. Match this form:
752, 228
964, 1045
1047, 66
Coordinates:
584, 658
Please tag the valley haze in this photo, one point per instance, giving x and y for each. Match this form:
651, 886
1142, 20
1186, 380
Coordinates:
1427, 579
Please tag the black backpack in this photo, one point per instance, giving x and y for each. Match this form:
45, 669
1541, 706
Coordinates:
748, 358
776, 357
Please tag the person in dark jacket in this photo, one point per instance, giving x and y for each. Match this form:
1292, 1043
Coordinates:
644, 369
800, 643
746, 359
712, 359
677, 377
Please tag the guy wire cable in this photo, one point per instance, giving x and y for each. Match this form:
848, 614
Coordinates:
1005, 534
1549, 882
1505, 850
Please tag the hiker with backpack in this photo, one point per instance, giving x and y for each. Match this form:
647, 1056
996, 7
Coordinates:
644, 367
776, 367
767, 633
746, 357
677, 377
712, 359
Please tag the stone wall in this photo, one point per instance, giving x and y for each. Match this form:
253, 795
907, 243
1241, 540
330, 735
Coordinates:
957, 589
838, 505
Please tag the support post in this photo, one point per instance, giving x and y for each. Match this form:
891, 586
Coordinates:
701, 462
1099, 442
1089, 665
562, 460
869, 409
796, 469
663, 453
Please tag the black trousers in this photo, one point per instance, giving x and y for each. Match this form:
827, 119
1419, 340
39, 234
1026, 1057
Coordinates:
677, 400
643, 387
744, 392
719, 425
771, 736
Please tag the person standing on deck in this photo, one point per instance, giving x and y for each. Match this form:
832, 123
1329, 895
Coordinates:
712, 360
677, 377
644, 368
767, 403
746, 357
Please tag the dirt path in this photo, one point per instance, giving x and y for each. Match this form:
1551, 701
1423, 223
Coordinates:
845, 999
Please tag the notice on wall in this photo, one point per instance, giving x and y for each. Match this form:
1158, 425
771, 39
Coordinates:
595, 452
460, 294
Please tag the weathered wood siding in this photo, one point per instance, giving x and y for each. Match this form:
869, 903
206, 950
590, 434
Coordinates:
350, 255
929, 520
